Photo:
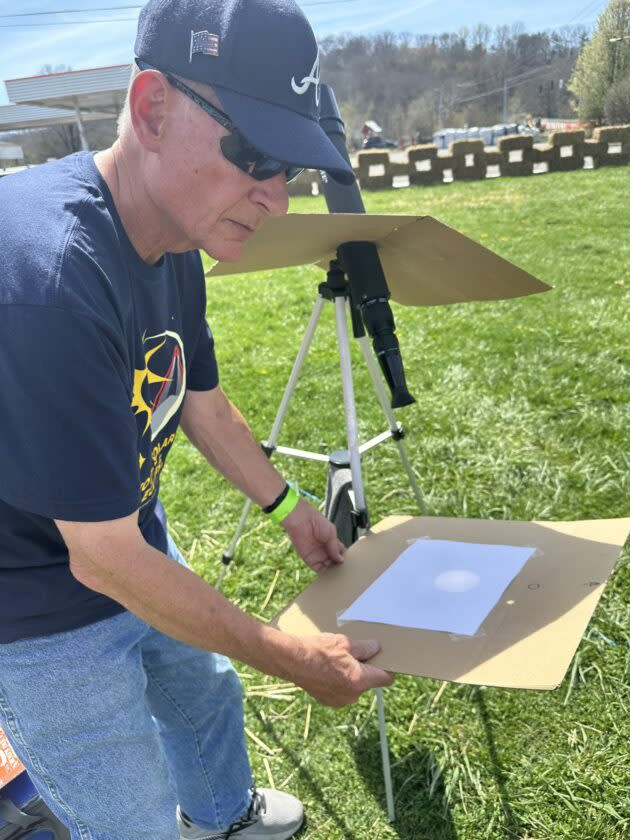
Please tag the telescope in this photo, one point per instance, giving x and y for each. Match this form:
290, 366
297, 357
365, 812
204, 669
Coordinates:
361, 264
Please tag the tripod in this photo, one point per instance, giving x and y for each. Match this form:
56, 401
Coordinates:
355, 280
335, 289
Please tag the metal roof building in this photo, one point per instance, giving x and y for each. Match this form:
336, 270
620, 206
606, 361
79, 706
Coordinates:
10, 152
22, 117
76, 95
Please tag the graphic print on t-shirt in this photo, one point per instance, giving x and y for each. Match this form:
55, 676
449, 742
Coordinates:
158, 392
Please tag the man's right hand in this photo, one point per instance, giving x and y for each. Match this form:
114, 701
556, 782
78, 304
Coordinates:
114, 559
335, 671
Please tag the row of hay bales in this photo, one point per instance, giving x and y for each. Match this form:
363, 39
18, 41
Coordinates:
468, 160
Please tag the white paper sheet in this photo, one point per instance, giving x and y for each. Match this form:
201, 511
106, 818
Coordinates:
440, 585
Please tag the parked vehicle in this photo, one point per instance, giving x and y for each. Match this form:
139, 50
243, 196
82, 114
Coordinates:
377, 142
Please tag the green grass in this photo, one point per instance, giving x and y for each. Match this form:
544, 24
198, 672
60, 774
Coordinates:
522, 413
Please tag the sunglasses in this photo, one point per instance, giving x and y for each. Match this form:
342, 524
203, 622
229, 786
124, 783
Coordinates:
234, 147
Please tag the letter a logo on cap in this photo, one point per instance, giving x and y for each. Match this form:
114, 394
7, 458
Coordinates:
307, 81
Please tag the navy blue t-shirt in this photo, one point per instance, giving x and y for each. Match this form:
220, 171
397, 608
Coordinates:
97, 349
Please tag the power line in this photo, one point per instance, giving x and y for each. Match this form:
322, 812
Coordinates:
515, 81
70, 11
534, 73
137, 6
588, 9
63, 23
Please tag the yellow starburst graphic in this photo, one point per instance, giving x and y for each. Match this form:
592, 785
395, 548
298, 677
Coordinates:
139, 378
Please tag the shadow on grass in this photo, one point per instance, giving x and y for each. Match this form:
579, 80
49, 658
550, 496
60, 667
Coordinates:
330, 805
422, 808
422, 804
420, 795
513, 826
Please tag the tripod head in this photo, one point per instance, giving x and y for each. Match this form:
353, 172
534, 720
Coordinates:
360, 261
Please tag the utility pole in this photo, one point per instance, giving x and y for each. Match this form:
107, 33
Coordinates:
505, 101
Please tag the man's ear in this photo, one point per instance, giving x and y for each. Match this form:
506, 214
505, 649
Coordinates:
147, 105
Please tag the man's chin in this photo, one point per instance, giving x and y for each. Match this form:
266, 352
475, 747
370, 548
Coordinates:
226, 251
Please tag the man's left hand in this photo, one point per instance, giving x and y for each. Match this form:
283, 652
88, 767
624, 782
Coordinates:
313, 537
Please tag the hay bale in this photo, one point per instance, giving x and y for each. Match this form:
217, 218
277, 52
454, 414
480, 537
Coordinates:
375, 169
543, 153
594, 149
469, 159
493, 156
401, 167
468, 147
443, 162
562, 159
423, 167
494, 161
514, 142
303, 184
567, 138
617, 137
517, 155
612, 134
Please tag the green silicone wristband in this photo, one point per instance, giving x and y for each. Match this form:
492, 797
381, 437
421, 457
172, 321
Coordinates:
285, 507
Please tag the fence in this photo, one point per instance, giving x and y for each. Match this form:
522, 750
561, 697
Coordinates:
466, 160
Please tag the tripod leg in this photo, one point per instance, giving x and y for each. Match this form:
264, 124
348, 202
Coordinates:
277, 426
352, 430
297, 367
229, 554
361, 507
393, 425
387, 772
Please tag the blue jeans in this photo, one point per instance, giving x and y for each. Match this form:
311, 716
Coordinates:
116, 723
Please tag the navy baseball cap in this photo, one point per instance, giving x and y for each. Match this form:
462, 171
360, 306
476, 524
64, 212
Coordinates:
262, 59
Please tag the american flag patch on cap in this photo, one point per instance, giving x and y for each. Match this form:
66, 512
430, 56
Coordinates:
203, 42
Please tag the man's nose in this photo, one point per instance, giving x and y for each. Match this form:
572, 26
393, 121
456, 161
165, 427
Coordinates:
272, 194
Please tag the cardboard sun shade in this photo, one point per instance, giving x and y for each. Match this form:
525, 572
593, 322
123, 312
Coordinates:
425, 262
528, 638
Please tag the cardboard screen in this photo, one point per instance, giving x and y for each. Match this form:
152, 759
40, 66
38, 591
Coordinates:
527, 640
426, 263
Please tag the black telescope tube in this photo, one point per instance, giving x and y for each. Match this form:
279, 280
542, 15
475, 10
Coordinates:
369, 292
361, 262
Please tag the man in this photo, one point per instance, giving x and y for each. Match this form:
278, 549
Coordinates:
128, 725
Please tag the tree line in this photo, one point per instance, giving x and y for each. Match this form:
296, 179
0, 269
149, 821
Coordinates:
413, 85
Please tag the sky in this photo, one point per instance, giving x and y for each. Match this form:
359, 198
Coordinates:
99, 33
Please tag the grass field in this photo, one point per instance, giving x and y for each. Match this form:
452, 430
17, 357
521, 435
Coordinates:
522, 413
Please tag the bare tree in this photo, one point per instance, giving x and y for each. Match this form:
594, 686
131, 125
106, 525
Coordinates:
423, 82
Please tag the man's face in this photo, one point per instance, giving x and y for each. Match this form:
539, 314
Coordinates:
209, 203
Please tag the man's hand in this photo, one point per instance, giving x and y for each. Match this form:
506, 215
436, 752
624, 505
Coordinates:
333, 669
313, 537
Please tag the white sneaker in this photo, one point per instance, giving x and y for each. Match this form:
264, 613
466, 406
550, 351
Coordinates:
271, 815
